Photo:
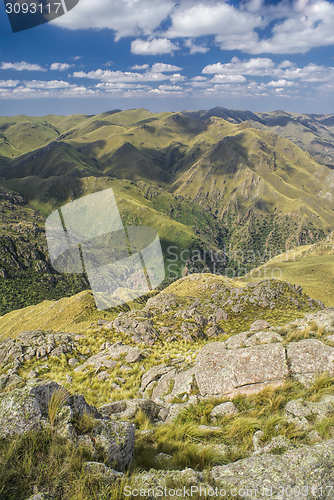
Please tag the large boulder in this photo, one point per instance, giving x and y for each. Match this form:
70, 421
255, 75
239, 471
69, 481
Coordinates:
28, 409
308, 358
221, 371
305, 473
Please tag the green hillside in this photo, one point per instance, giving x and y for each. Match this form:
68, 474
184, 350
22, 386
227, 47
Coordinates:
224, 187
311, 266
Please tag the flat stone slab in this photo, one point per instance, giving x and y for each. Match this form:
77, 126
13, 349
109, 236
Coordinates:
222, 371
308, 358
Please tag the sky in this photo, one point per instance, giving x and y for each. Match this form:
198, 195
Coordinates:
167, 55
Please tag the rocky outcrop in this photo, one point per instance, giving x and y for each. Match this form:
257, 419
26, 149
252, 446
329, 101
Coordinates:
29, 409
228, 371
35, 344
308, 358
246, 363
299, 473
190, 318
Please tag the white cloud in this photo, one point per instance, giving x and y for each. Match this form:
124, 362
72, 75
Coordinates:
52, 84
60, 66
139, 66
177, 78
170, 87
154, 47
199, 78
228, 79
281, 83
211, 19
159, 67
9, 83
120, 76
22, 66
125, 17
194, 49
255, 66
297, 27
294, 26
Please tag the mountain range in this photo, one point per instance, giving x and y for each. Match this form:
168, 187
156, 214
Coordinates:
220, 185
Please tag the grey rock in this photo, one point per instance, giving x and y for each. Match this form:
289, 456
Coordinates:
278, 444
163, 478
236, 341
310, 467
134, 355
227, 408
259, 324
86, 442
128, 408
308, 358
245, 370
103, 472
154, 374
117, 439
104, 376
263, 338
125, 368
73, 362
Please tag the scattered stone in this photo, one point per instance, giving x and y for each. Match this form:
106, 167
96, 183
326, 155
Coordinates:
125, 368
259, 324
103, 472
104, 376
133, 356
73, 362
161, 457
24, 410
227, 408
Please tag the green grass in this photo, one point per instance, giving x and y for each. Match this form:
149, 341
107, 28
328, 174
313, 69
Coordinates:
315, 274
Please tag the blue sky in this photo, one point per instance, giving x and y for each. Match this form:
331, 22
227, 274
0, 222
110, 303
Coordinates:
168, 55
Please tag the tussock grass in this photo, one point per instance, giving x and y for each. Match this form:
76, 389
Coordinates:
55, 402
43, 461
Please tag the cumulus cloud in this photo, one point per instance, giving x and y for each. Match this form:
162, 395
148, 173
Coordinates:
159, 67
52, 84
124, 17
228, 79
60, 66
120, 76
195, 49
22, 66
153, 47
208, 18
281, 83
258, 66
9, 83
139, 66
294, 26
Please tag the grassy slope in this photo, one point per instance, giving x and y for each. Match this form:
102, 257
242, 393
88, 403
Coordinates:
201, 184
311, 266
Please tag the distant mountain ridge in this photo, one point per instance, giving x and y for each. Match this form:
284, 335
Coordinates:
250, 185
